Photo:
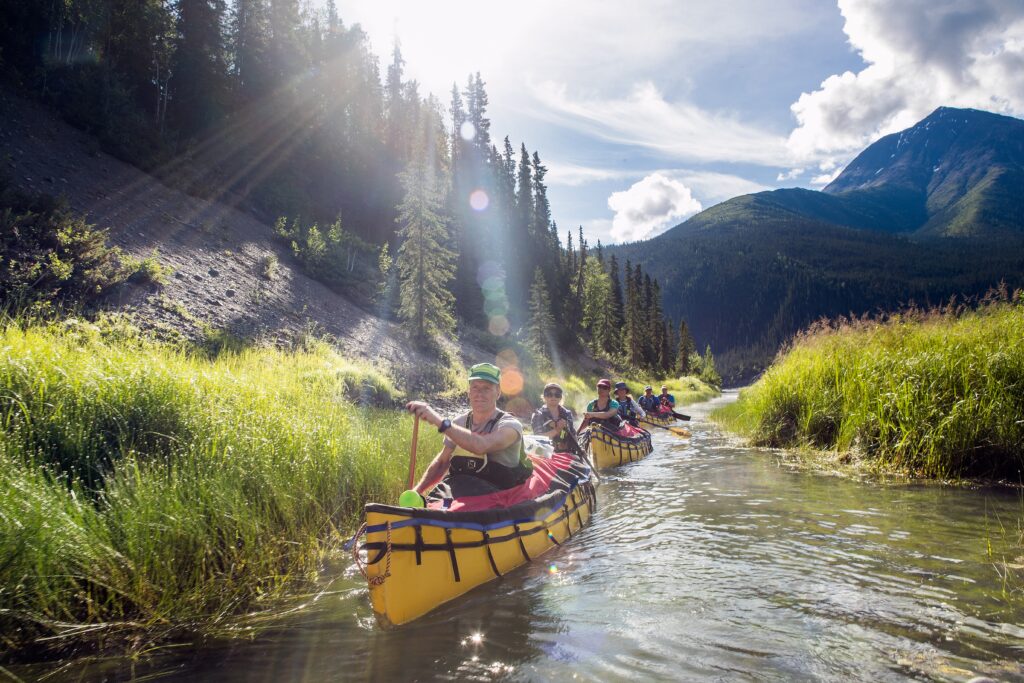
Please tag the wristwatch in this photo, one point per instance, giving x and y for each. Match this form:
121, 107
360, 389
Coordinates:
443, 427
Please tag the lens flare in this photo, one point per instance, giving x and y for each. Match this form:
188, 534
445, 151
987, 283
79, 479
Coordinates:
553, 569
479, 200
506, 358
511, 381
498, 326
467, 131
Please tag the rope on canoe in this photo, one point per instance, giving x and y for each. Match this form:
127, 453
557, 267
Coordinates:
375, 580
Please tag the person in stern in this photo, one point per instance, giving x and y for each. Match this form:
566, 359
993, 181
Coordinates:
555, 421
667, 399
483, 449
604, 410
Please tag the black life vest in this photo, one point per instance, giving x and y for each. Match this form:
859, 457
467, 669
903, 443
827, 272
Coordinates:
627, 411
564, 441
613, 423
464, 462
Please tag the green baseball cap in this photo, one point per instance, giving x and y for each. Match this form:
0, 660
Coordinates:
485, 371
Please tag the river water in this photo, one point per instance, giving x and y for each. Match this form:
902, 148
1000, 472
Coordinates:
705, 561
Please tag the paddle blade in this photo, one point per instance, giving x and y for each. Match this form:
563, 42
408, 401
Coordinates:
680, 431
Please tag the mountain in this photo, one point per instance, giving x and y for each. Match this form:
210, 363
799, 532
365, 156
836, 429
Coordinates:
959, 172
933, 212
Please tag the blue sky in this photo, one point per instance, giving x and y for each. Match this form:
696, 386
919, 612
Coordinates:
648, 111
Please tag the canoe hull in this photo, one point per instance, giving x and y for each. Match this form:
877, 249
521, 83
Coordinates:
418, 560
654, 419
610, 450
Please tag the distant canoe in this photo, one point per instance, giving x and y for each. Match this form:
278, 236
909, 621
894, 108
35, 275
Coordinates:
663, 419
420, 558
611, 449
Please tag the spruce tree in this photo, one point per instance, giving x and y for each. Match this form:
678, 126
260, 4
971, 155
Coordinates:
287, 52
425, 262
665, 360
542, 323
476, 105
685, 348
709, 373
632, 314
617, 303
524, 197
200, 66
250, 44
395, 105
596, 311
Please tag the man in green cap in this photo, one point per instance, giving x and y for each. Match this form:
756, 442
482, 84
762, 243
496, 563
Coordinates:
483, 449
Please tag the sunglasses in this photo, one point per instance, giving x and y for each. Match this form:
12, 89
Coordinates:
553, 393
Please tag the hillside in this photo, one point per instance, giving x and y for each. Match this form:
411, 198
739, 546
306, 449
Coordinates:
218, 253
958, 173
750, 272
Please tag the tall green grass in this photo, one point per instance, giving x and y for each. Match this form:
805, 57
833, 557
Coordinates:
937, 393
145, 488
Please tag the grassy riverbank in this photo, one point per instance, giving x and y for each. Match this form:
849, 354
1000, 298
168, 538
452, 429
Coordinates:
144, 487
935, 394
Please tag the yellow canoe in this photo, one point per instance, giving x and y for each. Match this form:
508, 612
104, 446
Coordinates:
656, 419
611, 450
420, 558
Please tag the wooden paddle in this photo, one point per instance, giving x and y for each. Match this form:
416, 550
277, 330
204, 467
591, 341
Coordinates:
678, 431
412, 455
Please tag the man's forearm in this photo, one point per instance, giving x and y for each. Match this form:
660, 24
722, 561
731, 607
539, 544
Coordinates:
474, 443
432, 477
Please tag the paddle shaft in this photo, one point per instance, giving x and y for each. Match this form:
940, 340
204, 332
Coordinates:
412, 455
671, 429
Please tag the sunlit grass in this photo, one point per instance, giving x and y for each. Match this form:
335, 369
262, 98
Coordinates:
938, 394
147, 489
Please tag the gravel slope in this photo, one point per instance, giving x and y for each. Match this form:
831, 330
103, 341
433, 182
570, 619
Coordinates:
217, 252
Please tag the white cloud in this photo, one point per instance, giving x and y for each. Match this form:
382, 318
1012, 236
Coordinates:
679, 130
710, 186
790, 174
649, 206
716, 187
572, 175
921, 54
826, 178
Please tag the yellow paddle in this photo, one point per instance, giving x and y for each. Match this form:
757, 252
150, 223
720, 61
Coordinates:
678, 431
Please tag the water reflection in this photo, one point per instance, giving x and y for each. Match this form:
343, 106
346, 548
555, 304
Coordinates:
704, 561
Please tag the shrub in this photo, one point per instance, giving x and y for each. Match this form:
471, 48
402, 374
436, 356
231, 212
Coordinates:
49, 255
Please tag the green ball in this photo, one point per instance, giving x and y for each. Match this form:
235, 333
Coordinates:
410, 499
